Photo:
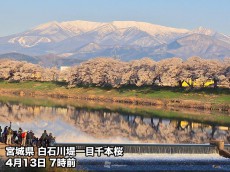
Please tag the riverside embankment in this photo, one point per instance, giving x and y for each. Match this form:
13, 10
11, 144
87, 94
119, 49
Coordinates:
165, 97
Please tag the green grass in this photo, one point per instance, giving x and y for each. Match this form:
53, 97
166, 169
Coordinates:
31, 85
220, 95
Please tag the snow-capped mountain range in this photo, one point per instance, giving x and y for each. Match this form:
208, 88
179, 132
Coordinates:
124, 39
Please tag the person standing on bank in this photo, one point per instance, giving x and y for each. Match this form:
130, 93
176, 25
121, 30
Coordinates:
9, 136
1, 134
44, 138
20, 136
30, 137
24, 134
4, 134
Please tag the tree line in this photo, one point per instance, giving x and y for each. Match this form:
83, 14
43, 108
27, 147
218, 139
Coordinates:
110, 72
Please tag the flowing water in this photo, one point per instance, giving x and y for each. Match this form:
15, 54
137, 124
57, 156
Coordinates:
157, 162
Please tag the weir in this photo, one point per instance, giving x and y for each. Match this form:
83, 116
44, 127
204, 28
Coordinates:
227, 147
153, 148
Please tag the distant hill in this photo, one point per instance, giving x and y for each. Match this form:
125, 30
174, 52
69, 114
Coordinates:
20, 57
82, 40
45, 60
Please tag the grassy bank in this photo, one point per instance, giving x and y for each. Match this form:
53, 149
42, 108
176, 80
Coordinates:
206, 98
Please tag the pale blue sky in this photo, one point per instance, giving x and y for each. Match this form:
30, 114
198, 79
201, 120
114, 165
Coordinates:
20, 15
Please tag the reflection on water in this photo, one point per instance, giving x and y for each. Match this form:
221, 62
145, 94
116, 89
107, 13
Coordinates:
71, 124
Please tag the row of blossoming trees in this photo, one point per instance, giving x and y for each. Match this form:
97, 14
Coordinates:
14, 71
111, 72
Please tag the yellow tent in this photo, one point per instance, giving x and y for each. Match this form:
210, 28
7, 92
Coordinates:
197, 83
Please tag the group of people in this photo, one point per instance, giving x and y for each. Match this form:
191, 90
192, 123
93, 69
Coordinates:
25, 138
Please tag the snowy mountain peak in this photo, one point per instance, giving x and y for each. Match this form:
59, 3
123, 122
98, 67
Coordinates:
47, 26
151, 29
50, 28
204, 31
80, 25
130, 39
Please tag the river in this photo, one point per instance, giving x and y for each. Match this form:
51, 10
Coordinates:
71, 121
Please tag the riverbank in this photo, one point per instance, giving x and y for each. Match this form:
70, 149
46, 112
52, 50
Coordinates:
206, 99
